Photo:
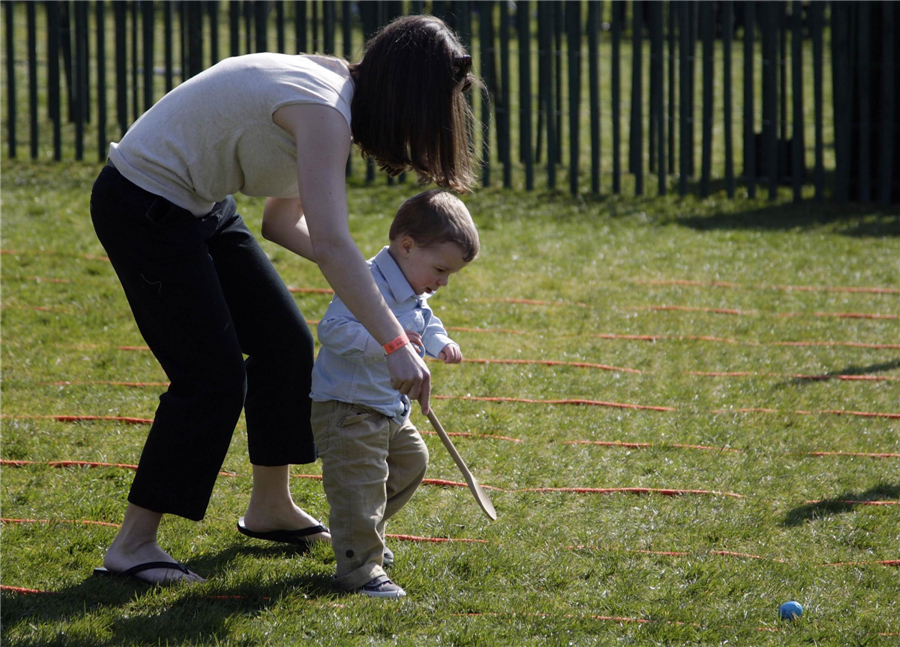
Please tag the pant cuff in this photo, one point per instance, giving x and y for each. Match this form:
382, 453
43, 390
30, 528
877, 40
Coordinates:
361, 576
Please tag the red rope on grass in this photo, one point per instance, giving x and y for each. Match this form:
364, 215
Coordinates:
15, 252
635, 445
785, 288
731, 311
85, 522
19, 589
631, 490
823, 377
466, 434
435, 540
550, 362
67, 418
863, 454
532, 302
595, 403
311, 290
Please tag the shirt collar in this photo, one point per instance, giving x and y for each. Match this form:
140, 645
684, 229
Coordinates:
400, 287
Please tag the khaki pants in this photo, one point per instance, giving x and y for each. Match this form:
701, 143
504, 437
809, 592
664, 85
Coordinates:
370, 466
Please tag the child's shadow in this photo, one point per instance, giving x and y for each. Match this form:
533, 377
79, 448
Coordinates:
198, 610
840, 504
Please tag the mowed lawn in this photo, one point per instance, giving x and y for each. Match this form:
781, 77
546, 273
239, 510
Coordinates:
688, 411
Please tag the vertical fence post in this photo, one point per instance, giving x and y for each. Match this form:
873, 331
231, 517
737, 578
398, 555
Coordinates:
135, 93
770, 98
31, 28
9, 15
797, 149
673, 16
80, 84
486, 36
523, 27
195, 38
559, 23
279, 25
864, 77
261, 26
727, 38
53, 77
817, 10
329, 19
749, 84
656, 26
637, 94
212, 12
593, 30
148, 22
889, 105
573, 37
618, 10
503, 107
66, 38
692, 17
168, 26
314, 24
684, 88
234, 28
545, 33
300, 25
707, 34
840, 39
100, 19
121, 21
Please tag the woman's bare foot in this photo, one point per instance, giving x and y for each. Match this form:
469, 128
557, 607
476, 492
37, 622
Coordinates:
272, 508
136, 544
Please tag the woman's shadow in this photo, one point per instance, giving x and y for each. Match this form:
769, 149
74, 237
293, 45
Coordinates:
840, 504
199, 610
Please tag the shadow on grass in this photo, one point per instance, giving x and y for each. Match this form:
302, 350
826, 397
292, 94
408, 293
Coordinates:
840, 504
848, 370
196, 611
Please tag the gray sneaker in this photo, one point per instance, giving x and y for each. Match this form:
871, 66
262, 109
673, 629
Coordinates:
387, 558
382, 587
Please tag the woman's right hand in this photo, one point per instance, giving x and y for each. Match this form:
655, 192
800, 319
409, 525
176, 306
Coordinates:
410, 376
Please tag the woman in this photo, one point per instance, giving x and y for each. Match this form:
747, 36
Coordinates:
204, 294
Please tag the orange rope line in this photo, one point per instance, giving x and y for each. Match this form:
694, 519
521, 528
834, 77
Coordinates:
730, 311
785, 288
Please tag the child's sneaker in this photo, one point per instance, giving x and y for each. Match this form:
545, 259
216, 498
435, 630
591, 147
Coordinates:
382, 587
387, 558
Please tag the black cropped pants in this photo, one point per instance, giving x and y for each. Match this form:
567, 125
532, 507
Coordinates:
204, 295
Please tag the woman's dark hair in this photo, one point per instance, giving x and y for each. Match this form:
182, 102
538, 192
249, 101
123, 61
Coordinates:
409, 110
435, 217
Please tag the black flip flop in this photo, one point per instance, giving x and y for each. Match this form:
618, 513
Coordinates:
294, 537
132, 572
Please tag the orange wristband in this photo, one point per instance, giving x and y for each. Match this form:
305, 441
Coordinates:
393, 345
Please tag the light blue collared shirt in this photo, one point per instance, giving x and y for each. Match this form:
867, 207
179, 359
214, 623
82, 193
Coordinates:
351, 365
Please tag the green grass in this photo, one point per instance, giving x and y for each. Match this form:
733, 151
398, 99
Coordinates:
528, 584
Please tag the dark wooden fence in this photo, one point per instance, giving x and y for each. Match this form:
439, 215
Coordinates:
554, 75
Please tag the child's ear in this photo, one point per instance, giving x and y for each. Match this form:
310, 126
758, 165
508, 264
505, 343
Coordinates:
407, 244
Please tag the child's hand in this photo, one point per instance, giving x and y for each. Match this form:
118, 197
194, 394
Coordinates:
451, 354
416, 340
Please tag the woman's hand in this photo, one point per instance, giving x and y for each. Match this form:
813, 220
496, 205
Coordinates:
410, 376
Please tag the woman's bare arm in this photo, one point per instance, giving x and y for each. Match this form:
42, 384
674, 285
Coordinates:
323, 144
283, 223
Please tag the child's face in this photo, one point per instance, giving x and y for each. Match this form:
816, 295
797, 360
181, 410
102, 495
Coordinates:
427, 268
